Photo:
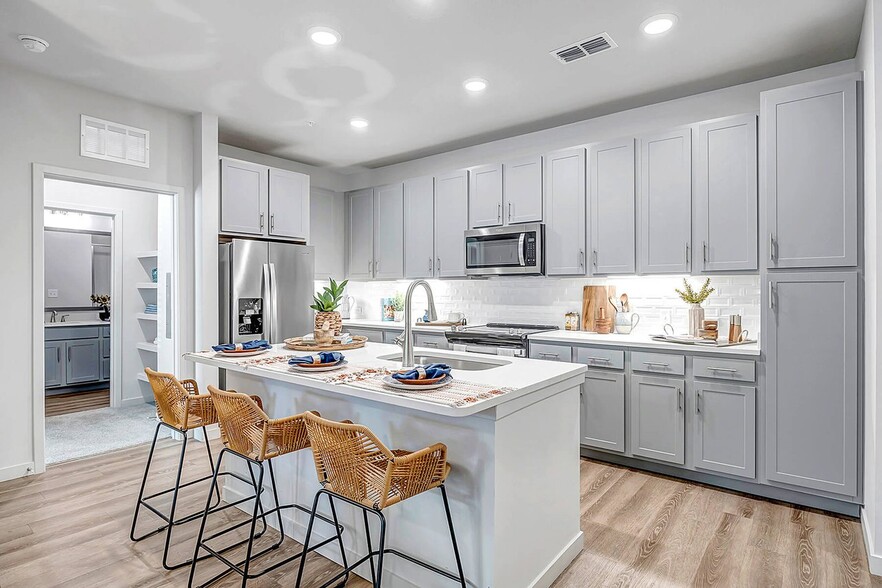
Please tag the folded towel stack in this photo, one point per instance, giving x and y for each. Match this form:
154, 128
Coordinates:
150, 309
317, 358
424, 372
247, 346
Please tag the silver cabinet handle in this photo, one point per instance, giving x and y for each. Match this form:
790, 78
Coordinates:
370, 266
772, 247
439, 264
698, 402
58, 354
719, 369
430, 344
679, 399
431, 266
261, 221
771, 296
545, 354
68, 354
272, 222
687, 253
595, 258
655, 364
581, 258
509, 212
376, 265
704, 251
499, 212
600, 359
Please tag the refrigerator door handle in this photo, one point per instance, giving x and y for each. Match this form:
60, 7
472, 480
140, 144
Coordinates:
274, 295
267, 303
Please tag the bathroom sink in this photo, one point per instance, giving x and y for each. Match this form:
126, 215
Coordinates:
456, 363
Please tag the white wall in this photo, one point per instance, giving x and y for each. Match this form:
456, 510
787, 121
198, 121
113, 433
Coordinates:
138, 227
40, 122
869, 59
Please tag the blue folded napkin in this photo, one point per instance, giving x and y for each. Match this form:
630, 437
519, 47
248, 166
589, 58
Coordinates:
247, 346
321, 357
424, 372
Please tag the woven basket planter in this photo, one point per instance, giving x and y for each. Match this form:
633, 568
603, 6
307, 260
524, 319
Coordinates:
333, 319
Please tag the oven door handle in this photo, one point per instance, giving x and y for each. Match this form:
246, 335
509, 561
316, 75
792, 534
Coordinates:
521, 240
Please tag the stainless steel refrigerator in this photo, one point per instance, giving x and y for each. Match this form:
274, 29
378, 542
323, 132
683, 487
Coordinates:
265, 290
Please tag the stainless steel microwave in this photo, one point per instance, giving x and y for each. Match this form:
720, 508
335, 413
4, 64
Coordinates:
512, 250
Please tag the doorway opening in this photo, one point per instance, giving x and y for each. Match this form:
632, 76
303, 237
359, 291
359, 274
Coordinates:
109, 292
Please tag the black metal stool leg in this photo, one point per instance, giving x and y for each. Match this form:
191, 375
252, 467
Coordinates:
213, 486
453, 536
210, 461
367, 531
272, 476
144, 485
380, 549
306, 539
257, 507
339, 540
171, 516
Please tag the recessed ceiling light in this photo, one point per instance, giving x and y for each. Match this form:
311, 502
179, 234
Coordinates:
475, 84
324, 36
32, 43
658, 24
358, 123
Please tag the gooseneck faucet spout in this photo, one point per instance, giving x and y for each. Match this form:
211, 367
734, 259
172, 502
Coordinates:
406, 338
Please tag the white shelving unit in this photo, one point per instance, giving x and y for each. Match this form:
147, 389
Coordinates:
149, 322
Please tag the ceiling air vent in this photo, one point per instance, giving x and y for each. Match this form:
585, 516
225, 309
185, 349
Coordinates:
591, 46
112, 141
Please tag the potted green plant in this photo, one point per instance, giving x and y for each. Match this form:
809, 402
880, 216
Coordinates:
694, 300
326, 304
102, 301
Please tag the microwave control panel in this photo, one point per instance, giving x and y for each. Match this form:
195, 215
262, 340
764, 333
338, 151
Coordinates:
530, 249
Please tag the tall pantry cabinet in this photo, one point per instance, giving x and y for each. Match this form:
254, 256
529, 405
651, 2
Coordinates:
811, 286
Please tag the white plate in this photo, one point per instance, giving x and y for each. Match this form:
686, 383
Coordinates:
326, 368
393, 383
242, 353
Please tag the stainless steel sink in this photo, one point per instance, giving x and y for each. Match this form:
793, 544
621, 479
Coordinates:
456, 363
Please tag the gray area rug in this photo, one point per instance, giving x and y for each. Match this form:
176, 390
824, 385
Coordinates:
81, 434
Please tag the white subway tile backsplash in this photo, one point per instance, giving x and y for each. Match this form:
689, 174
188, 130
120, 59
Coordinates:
546, 300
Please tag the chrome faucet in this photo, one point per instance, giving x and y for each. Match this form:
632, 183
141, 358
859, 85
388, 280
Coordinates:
405, 339
64, 317
54, 316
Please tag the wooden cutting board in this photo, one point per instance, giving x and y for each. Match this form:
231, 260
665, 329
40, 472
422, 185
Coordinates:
595, 298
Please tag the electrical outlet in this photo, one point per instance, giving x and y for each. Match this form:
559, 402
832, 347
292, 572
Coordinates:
666, 317
52, 293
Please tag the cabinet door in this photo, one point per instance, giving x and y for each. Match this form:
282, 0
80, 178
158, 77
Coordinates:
603, 411
565, 213
373, 335
451, 221
244, 188
811, 331
485, 196
725, 429
83, 361
522, 190
288, 204
429, 340
55, 358
612, 208
419, 215
665, 202
389, 231
657, 417
360, 220
105, 369
810, 174
726, 194
327, 214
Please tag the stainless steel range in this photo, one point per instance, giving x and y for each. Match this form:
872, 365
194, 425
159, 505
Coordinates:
495, 338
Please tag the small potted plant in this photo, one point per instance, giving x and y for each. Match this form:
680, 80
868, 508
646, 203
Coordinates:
398, 307
326, 304
694, 299
102, 301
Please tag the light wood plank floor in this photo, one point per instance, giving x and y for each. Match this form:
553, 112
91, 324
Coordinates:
69, 527
58, 404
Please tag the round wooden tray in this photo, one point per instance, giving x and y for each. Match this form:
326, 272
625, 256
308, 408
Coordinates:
298, 344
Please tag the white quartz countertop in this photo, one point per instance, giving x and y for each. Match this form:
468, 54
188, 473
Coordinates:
392, 326
524, 376
642, 341
95, 323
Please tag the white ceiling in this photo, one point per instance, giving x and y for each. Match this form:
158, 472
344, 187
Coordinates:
402, 62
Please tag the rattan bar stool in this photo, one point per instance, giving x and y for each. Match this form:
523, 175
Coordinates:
181, 409
355, 467
250, 435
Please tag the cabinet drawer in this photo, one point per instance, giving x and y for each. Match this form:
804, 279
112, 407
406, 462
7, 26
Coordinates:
736, 370
429, 340
551, 352
597, 357
657, 363
67, 333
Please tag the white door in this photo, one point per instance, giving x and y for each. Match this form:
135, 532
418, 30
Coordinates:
451, 222
243, 197
522, 190
389, 231
288, 204
419, 227
360, 220
565, 212
485, 196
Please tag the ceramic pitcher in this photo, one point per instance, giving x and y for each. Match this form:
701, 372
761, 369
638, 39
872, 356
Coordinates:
626, 321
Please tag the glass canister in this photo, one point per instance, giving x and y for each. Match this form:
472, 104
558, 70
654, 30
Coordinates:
571, 321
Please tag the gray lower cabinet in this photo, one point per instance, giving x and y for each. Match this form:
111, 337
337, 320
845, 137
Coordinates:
83, 361
811, 343
431, 340
724, 431
373, 335
657, 418
603, 410
55, 358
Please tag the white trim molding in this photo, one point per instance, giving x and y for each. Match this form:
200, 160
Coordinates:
874, 559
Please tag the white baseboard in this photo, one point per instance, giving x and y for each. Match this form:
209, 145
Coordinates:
16, 471
875, 560
560, 563
131, 401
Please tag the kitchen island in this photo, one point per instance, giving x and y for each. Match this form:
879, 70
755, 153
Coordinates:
513, 447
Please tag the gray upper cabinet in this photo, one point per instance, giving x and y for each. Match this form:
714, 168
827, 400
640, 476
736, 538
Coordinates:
244, 191
611, 178
603, 411
83, 361
810, 178
724, 431
657, 418
811, 346
360, 221
726, 195
522, 190
451, 222
565, 212
55, 360
288, 205
327, 216
419, 242
389, 231
485, 196
665, 202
